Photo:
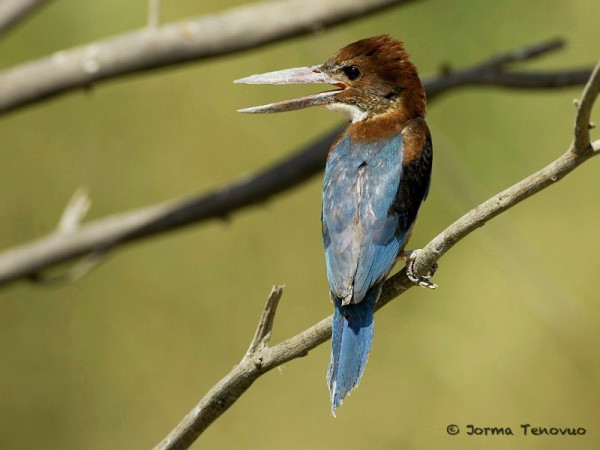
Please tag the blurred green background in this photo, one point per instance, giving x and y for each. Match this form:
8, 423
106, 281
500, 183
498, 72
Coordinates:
115, 360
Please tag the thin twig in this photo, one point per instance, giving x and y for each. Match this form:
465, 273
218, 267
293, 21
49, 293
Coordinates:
230, 388
75, 211
234, 30
581, 143
525, 53
263, 331
26, 261
153, 13
14, 11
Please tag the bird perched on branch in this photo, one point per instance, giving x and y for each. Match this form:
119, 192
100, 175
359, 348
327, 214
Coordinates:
377, 175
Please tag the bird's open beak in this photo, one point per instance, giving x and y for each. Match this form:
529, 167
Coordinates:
297, 75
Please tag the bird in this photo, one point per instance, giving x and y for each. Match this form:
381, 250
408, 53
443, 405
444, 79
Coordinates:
377, 175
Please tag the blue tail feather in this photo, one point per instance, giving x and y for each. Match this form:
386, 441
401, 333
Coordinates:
352, 335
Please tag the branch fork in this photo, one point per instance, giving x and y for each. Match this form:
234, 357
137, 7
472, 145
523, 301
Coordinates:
263, 332
233, 385
69, 223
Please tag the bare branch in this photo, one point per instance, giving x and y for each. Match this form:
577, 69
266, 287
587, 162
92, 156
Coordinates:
13, 11
526, 53
28, 260
493, 72
264, 358
233, 30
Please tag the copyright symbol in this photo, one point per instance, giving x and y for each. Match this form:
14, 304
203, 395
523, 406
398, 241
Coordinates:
452, 430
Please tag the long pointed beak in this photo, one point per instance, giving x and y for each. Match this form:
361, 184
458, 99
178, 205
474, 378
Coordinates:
297, 75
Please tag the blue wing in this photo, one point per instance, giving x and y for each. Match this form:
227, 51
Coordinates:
362, 231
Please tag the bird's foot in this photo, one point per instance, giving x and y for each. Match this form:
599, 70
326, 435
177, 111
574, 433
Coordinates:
411, 256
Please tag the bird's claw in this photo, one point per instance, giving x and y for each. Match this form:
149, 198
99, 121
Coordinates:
432, 270
422, 281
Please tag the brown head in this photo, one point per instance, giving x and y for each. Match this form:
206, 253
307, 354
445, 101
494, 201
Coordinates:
378, 78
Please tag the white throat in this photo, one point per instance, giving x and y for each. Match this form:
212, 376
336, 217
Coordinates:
352, 113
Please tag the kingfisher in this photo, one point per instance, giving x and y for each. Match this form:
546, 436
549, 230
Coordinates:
378, 173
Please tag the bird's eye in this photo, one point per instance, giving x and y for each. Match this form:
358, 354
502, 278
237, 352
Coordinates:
352, 72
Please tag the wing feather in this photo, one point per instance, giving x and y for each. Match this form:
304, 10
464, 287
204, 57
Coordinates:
361, 230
